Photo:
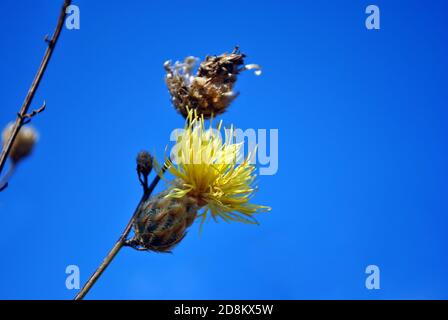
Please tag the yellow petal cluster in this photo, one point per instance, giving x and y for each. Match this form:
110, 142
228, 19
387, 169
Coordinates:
211, 170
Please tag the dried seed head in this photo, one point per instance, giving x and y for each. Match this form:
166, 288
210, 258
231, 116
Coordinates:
162, 222
210, 90
23, 144
144, 163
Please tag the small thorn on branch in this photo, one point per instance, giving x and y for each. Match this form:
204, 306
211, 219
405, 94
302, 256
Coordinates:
27, 117
49, 41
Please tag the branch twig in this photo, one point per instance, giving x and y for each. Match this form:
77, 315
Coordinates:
27, 117
23, 117
4, 180
147, 191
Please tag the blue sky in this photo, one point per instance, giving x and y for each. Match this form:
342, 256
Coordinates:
362, 156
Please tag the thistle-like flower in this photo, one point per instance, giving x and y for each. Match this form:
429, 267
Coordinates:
209, 174
23, 144
210, 90
213, 172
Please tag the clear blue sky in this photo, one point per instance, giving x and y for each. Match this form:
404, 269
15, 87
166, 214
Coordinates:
362, 148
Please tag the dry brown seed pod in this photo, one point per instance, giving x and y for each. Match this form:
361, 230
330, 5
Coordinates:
210, 90
23, 144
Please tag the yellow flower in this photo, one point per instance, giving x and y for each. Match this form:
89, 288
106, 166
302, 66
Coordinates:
212, 172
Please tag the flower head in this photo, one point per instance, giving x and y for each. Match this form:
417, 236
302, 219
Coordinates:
210, 89
162, 222
211, 171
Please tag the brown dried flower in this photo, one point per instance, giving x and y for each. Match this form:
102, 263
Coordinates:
23, 144
210, 90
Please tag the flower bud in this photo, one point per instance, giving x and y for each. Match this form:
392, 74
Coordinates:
23, 143
162, 222
144, 163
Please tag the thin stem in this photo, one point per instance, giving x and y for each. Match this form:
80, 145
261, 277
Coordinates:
8, 174
23, 115
121, 241
112, 253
